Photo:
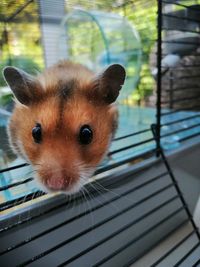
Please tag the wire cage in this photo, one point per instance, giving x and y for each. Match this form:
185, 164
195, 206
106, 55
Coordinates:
135, 203
178, 75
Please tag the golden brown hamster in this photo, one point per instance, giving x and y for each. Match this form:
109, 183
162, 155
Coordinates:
63, 121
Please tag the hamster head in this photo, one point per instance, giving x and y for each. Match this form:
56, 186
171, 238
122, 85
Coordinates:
63, 121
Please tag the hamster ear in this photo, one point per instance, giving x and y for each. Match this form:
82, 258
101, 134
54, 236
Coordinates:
24, 86
109, 83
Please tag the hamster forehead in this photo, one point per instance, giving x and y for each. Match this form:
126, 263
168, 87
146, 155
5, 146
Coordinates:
56, 113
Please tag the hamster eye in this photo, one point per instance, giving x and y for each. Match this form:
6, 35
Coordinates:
37, 133
85, 135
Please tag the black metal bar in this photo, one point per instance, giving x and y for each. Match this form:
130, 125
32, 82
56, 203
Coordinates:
181, 30
196, 264
187, 254
180, 110
130, 146
179, 4
16, 184
134, 259
118, 232
179, 193
84, 212
131, 134
180, 120
189, 137
180, 18
137, 238
95, 225
180, 42
197, 54
187, 66
189, 77
100, 170
103, 240
14, 167
181, 99
172, 249
159, 76
18, 201
183, 89
146, 154
181, 130
26, 220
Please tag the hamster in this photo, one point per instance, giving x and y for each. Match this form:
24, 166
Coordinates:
63, 121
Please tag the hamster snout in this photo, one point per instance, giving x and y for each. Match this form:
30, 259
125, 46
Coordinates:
57, 183
61, 168
63, 121
59, 180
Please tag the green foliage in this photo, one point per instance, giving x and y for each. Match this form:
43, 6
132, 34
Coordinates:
20, 36
25, 51
24, 63
143, 16
19, 41
5, 99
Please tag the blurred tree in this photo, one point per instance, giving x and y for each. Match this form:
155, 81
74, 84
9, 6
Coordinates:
24, 38
20, 44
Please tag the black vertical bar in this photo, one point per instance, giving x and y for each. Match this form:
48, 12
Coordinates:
171, 174
180, 193
159, 78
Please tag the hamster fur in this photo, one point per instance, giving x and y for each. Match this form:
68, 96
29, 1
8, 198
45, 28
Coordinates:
63, 121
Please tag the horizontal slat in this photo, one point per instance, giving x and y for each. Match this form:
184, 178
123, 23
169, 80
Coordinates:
51, 223
111, 247
181, 130
104, 232
3, 188
130, 146
150, 198
180, 18
197, 263
174, 248
58, 215
131, 134
107, 183
18, 201
181, 120
180, 110
190, 257
14, 167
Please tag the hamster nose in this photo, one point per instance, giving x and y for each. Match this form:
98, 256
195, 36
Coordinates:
56, 183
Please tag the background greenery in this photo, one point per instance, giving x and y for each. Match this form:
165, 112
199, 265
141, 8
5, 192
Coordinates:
20, 43
20, 35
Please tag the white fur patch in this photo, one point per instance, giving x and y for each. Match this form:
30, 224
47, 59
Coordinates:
84, 175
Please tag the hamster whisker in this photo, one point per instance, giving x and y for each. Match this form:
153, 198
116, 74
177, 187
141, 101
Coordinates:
102, 195
93, 195
84, 190
38, 164
111, 191
31, 172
